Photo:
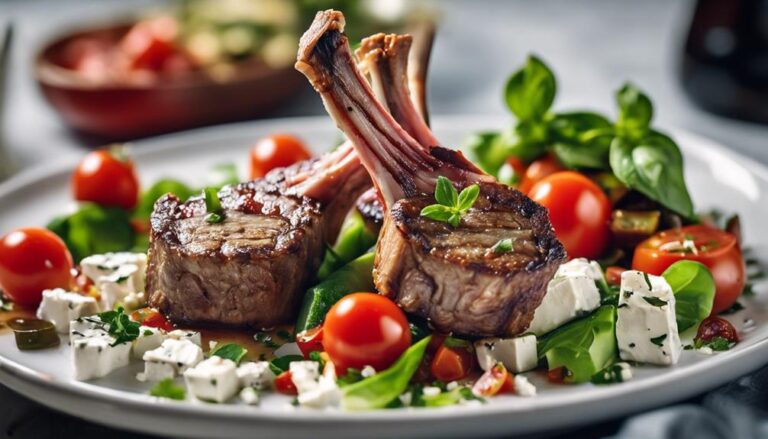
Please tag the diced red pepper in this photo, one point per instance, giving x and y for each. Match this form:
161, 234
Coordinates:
451, 364
310, 340
284, 384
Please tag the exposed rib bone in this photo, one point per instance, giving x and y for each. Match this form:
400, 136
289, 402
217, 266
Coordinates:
418, 63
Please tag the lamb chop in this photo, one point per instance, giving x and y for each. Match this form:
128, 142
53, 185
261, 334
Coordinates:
450, 275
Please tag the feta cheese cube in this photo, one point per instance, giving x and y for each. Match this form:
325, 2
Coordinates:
172, 358
523, 387
98, 266
646, 329
315, 390
61, 307
572, 293
149, 338
518, 354
192, 336
93, 355
214, 379
256, 374
117, 276
249, 395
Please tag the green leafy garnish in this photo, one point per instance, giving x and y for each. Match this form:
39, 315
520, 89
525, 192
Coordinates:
655, 301
230, 351
503, 246
351, 377
609, 375
167, 388
282, 364
694, 289
94, 229
659, 341
119, 326
716, 344
213, 206
157, 190
451, 204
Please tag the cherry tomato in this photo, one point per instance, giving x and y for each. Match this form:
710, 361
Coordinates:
150, 44
537, 170
365, 329
716, 249
494, 381
310, 341
714, 327
451, 364
284, 384
579, 210
276, 151
152, 318
613, 274
557, 375
512, 171
33, 259
106, 179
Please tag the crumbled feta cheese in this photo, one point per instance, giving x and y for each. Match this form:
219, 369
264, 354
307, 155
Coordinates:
149, 338
315, 390
256, 374
61, 307
172, 358
212, 345
116, 276
570, 294
93, 355
646, 329
706, 350
518, 354
214, 379
249, 395
192, 336
368, 371
523, 387
430, 391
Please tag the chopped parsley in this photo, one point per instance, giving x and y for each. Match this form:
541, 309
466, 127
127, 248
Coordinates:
648, 281
282, 364
503, 246
451, 205
716, 344
659, 341
167, 388
230, 351
655, 301
120, 326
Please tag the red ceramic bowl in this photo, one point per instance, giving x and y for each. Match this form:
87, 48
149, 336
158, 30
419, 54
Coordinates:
124, 111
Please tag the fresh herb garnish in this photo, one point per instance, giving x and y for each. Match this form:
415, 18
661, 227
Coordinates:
230, 351
503, 246
659, 341
282, 364
655, 301
119, 326
694, 289
213, 206
451, 204
167, 388
716, 344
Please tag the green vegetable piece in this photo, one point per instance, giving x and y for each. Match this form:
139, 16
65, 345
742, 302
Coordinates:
716, 344
282, 364
120, 326
694, 289
355, 276
503, 246
379, 390
609, 375
530, 91
230, 351
635, 111
94, 229
157, 190
485, 150
167, 388
212, 202
584, 346
213, 218
355, 239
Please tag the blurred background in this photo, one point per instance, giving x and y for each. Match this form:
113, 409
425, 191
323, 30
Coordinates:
79, 73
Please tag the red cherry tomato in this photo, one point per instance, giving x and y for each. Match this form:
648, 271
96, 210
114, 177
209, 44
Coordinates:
33, 259
310, 341
613, 274
579, 210
557, 375
494, 381
717, 327
106, 179
365, 329
451, 364
537, 170
284, 384
276, 151
152, 318
716, 249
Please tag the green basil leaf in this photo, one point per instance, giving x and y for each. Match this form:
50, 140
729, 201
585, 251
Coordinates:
528, 140
437, 212
230, 351
467, 197
530, 91
94, 229
635, 111
575, 156
157, 190
694, 289
583, 140
654, 167
486, 151
445, 193
212, 202
282, 364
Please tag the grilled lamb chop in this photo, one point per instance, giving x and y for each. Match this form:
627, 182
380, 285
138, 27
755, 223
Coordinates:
250, 269
448, 275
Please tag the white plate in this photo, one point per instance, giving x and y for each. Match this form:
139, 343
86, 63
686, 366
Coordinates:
716, 177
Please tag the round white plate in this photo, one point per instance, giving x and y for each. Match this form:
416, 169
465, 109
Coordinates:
717, 178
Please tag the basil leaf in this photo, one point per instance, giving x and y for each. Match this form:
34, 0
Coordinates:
694, 289
445, 193
467, 197
583, 140
157, 190
437, 212
530, 91
654, 167
230, 351
282, 364
528, 140
379, 390
94, 229
212, 202
635, 111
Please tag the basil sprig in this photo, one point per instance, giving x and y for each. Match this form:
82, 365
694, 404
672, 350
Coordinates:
452, 205
120, 326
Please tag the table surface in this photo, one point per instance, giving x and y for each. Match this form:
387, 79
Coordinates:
593, 46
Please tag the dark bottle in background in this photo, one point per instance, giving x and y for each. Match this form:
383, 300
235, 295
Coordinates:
725, 64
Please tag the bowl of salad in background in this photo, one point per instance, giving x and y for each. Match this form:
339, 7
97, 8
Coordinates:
201, 62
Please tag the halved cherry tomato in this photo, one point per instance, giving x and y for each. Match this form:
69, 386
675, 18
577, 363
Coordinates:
451, 363
537, 170
365, 329
276, 151
310, 340
716, 249
106, 178
284, 384
714, 327
152, 318
494, 381
613, 274
579, 210
33, 259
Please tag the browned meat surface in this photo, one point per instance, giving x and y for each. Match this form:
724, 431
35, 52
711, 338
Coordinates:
449, 275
